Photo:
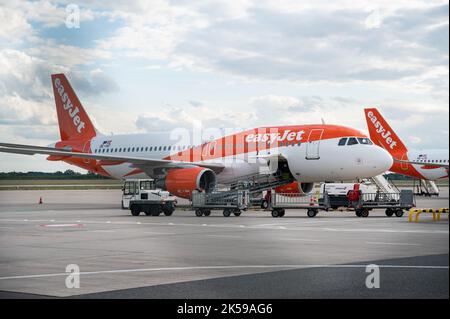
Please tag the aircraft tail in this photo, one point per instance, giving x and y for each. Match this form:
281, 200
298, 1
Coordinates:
383, 135
74, 123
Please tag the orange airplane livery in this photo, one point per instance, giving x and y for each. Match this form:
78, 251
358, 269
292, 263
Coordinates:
305, 153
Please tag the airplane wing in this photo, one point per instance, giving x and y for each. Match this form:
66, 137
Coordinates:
141, 162
423, 163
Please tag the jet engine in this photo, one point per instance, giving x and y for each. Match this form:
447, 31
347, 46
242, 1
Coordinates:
295, 188
181, 182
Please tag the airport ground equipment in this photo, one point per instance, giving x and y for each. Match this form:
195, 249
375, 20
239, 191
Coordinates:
141, 195
414, 213
338, 192
384, 185
231, 202
423, 187
393, 203
281, 202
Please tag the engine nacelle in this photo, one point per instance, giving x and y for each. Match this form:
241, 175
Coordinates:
295, 188
181, 182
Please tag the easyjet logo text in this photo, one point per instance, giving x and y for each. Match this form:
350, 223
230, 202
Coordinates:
275, 137
69, 107
386, 135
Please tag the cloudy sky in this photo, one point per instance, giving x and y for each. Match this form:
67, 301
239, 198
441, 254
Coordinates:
143, 66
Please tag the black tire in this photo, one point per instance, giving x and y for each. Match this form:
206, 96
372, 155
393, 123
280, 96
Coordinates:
312, 213
399, 213
169, 212
365, 213
237, 213
282, 213
199, 213
264, 204
358, 213
135, 210
276, 213
227, 213
206, 213
389, 212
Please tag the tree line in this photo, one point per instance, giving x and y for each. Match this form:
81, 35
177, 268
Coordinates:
67, 174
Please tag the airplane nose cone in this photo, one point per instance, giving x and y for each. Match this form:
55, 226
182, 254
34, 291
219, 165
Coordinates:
382, 160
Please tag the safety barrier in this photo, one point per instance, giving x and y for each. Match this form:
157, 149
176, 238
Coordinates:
435, 211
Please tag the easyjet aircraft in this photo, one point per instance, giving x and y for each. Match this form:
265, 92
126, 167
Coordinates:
428, 165
307, 153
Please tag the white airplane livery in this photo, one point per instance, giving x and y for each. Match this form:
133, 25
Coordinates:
425, 165
305, 153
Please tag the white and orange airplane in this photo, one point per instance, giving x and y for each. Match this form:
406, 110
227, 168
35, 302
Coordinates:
428, 165
308, 153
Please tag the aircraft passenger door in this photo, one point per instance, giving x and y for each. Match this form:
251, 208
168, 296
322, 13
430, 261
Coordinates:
313, 144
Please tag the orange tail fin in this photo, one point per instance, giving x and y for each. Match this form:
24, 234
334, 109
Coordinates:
383, 135
74, 123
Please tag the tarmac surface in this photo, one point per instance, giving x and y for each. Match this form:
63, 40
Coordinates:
183, 256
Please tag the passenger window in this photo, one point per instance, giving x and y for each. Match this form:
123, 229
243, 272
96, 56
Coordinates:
342, 141
352, 141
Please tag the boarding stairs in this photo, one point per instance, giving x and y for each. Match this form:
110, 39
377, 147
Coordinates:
426, 188
385, 185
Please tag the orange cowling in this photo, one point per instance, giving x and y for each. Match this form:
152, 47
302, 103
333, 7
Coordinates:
181, 182
292, 188
295, 188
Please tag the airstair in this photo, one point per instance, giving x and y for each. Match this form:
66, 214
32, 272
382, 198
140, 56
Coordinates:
426, 188
384, 185
256, 183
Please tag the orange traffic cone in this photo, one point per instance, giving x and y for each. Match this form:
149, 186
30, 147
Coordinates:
40, 201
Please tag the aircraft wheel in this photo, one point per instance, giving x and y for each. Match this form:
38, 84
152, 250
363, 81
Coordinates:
135, 210
227, 213
399, 213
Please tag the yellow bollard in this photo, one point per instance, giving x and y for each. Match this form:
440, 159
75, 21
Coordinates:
411, 213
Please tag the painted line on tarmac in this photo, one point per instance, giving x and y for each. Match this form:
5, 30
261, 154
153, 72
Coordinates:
125, 271
393, 244
293, 228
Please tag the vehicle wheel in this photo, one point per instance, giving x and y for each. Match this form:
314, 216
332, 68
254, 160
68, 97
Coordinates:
276, 213
365, 213
264, 204
399, 213
237, 213
389, 212
358, 213
135, 210
312, 213
206, 213
199, 213
169, 212
282, 213
227, 213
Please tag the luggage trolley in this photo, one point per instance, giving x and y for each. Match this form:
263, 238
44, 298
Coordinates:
231, 202
280, 202
393, 203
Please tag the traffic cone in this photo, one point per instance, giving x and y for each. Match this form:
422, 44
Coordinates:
40, 201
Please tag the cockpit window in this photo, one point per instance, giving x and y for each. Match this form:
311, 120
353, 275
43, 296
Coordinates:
342, 141
352, 141
365, 141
